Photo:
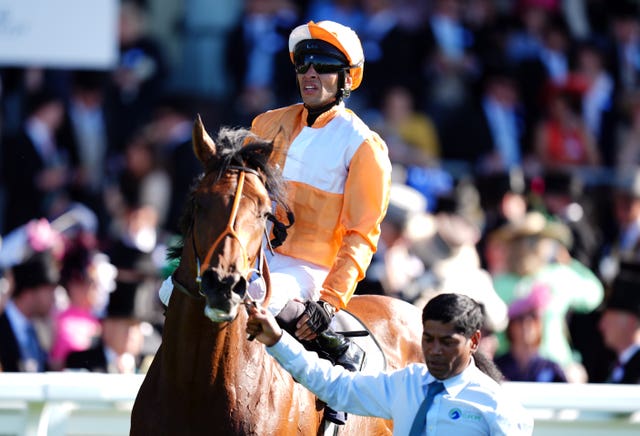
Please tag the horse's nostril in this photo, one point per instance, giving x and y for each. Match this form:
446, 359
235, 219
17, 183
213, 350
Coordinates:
224, 284
240, 287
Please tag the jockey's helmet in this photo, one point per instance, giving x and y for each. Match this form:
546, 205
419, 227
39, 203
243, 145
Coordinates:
328, 38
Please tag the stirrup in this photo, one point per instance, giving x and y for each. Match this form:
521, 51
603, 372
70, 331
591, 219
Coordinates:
353, 357
335, 416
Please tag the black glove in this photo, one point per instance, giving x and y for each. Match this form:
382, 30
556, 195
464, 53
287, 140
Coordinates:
320, 314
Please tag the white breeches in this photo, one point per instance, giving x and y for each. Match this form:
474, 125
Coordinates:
291, 279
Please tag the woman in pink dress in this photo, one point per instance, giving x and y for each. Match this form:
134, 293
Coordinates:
77, 326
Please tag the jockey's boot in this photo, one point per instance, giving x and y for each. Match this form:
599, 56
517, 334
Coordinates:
341, 351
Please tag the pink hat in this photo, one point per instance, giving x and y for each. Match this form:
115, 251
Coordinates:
537, 300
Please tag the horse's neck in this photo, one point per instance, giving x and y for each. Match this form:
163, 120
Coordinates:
196, 347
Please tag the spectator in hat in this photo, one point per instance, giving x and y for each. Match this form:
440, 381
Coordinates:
523, 361
537, 254
32, 299
119, 348
620, 324
35, 236
562, 197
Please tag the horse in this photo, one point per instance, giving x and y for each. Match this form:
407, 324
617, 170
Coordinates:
207, 377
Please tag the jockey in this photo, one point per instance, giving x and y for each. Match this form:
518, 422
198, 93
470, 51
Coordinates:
338, 178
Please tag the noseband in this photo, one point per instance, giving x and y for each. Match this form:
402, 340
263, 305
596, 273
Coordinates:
229, 230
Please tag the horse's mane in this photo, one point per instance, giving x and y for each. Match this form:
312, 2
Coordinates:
240, 147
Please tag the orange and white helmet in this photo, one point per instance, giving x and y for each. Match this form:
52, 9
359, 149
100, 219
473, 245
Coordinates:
338, 36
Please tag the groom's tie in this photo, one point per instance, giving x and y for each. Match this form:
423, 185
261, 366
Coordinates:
420, 421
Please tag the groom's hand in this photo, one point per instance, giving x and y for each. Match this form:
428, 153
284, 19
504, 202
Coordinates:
263, 326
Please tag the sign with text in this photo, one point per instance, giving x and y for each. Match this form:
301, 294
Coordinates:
59, 33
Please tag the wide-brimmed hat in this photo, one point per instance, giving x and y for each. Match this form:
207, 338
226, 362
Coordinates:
535, 224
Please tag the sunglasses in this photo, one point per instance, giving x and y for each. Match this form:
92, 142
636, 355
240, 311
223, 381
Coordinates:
322, 64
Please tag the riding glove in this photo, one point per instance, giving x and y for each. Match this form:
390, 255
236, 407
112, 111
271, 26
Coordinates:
320, 314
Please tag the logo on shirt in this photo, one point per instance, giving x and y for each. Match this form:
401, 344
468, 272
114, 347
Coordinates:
456, 414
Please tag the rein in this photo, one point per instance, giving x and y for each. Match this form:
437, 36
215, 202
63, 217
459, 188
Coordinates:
263, 267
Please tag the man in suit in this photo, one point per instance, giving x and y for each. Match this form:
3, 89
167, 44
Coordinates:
35, 166
119, 349
34, 280
620, 324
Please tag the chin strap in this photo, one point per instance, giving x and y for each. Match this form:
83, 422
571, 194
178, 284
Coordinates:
343, 92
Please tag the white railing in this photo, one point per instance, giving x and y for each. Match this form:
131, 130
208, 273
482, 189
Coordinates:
66, 403
91, 404
562, 409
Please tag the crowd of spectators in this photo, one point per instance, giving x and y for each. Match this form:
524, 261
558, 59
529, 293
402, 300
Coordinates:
513, 128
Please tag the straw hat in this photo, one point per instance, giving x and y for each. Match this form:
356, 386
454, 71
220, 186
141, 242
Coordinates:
535, 224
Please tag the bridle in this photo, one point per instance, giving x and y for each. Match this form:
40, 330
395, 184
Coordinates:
263, 268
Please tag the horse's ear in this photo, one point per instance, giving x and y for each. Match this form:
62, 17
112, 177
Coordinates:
267, 151
203, 146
